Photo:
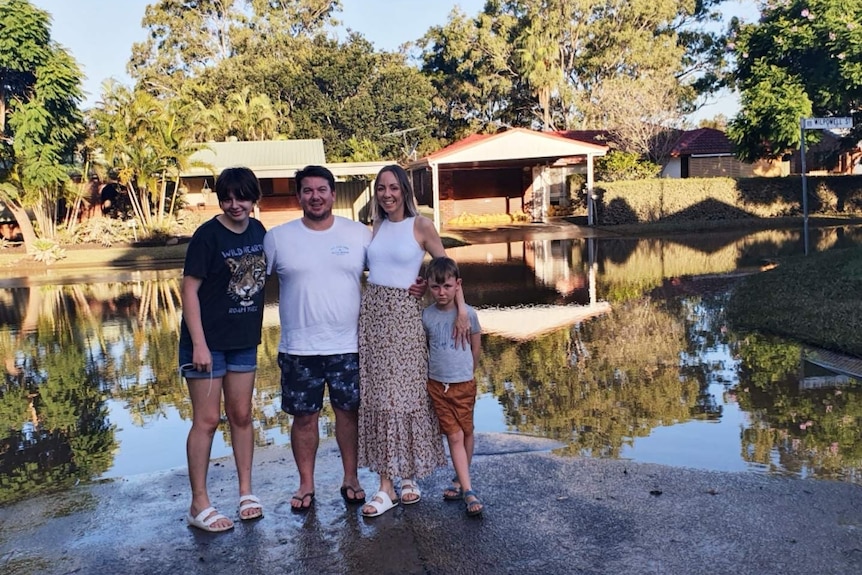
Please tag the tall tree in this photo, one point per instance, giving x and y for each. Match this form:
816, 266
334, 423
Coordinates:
186, 37
553, 56
470, 65
802, 58
40, 124
323, 88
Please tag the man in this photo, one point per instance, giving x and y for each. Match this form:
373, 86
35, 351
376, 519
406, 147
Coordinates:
319, 260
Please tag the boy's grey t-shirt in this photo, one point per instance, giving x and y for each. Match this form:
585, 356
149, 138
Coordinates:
448, 363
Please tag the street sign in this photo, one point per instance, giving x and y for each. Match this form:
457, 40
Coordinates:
826, 123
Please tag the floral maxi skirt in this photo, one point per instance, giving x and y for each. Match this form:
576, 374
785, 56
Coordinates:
399, 435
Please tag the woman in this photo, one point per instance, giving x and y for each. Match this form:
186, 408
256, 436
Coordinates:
222, 299
398, 431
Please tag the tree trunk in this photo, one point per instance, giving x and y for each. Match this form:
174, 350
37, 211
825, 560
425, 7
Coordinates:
28, 232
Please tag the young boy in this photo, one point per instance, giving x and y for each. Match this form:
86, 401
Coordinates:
450, 375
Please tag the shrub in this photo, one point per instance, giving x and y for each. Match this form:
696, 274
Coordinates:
698, 199
617, 166
47, 251
103, 231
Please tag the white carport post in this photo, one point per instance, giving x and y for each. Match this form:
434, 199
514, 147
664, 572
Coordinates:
435, 194
590, 203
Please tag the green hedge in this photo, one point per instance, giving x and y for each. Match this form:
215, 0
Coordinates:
698, 199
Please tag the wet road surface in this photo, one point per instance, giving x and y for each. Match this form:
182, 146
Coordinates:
545, 514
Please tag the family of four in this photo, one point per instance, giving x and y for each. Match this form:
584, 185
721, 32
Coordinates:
398, 375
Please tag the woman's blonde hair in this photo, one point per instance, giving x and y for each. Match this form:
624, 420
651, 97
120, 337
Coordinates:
410, 209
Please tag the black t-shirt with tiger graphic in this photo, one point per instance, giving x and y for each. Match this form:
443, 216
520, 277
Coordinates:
233, 269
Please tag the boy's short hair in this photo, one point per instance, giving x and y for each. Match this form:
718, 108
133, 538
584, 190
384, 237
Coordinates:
440, 268
241, 181
314, 172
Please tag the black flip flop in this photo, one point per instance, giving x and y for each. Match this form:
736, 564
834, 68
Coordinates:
345, 494
301, 498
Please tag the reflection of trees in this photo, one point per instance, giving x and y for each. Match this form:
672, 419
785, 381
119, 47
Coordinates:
51, 407
597, 385
147, 380
77, 344
810, 431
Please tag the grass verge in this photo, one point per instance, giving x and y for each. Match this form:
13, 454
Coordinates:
814, 299
97, 256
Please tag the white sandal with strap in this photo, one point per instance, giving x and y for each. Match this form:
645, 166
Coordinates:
205, 519
408, 487
380, 507
247, 502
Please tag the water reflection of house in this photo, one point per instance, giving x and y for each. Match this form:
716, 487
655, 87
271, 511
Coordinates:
510, 304
525, 323
822, 368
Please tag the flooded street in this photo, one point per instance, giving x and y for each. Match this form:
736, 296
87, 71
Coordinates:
617, 348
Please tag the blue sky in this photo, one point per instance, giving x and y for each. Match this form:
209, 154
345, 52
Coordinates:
100, 33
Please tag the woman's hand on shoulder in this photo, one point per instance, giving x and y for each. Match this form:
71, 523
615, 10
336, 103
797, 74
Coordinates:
461, 329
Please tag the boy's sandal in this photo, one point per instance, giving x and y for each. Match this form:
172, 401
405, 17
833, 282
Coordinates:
454, 492
474, 507
252, 502
408, 487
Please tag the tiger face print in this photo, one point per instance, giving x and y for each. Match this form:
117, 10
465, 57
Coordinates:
248, 275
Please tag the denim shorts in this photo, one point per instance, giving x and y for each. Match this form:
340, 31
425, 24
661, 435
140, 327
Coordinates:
237, 360
303, 378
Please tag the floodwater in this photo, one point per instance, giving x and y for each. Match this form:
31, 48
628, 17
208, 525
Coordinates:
617, 348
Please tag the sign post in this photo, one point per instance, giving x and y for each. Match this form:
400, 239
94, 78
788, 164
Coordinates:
814, 124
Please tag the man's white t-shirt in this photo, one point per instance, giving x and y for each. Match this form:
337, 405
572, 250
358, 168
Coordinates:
319, 276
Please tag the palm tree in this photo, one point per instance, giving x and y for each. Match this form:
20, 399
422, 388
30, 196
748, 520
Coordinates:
148, 141
176, 145
540, 62
251, 118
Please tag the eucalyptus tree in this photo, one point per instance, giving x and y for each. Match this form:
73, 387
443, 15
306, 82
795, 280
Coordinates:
187, 37
469, 62
40, 123
801, 59
551, 62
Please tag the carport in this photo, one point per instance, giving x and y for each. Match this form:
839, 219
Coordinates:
484, 169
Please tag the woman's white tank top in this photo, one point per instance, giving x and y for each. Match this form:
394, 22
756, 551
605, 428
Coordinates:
394, 256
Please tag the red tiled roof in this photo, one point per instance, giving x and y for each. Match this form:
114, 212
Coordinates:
706, 141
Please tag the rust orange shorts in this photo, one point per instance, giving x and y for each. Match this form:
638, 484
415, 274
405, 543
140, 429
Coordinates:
454, 407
